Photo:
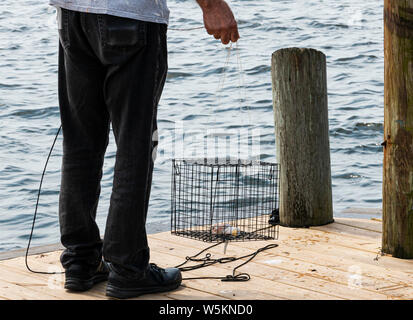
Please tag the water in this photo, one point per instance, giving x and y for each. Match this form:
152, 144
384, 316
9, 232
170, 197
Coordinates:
349, 32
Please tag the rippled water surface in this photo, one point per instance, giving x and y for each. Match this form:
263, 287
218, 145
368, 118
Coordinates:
349, 32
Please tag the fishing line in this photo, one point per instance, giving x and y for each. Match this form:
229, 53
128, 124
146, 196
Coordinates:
221, 81
187, 29
241, 85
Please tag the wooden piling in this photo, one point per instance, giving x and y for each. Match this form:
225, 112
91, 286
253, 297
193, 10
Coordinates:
299, 79
398, 129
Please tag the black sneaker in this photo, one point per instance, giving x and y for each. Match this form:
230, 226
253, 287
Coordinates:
155, 280
80, 279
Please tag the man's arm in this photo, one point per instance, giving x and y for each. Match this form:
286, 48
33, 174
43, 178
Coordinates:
219, 20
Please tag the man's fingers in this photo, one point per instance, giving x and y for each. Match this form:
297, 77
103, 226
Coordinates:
225, 37
234, 36
226, 34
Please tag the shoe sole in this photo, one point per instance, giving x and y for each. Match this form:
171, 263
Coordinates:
125, 293
75, 284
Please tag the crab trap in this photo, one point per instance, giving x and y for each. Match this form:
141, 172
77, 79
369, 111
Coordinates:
225, 200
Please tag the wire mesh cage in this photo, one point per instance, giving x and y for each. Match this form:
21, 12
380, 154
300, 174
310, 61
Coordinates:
224, 200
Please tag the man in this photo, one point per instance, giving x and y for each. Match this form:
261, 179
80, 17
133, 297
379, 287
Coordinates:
112, 68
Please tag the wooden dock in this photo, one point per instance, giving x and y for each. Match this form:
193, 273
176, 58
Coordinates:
338, 261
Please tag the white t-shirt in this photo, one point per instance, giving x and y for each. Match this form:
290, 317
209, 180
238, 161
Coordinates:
146, 10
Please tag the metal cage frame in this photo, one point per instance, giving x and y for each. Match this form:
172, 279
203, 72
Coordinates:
224, 199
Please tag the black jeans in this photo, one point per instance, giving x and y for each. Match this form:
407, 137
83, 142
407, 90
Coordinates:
111, 70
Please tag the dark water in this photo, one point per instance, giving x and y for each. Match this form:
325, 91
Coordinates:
349, 32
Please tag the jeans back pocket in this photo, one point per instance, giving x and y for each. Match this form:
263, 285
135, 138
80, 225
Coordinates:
121, 33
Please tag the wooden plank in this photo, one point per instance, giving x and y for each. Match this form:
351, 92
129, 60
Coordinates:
363, 212
342, 259
309, 244
372, 272
312, 263
186, 293
372, 276
367, 224
97, 292
55, 281
339, 234
13, 291
271, 272
33, 251
345, 240
324, 272
257, 288
58, 292
343, 229
46, 287
52, 258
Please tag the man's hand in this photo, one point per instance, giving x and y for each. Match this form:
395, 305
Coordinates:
219, 20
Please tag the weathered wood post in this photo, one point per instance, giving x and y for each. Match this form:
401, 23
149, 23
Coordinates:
299, 79
398, 129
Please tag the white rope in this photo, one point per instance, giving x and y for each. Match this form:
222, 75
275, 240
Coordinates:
241, 85
185, 29
221, 81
